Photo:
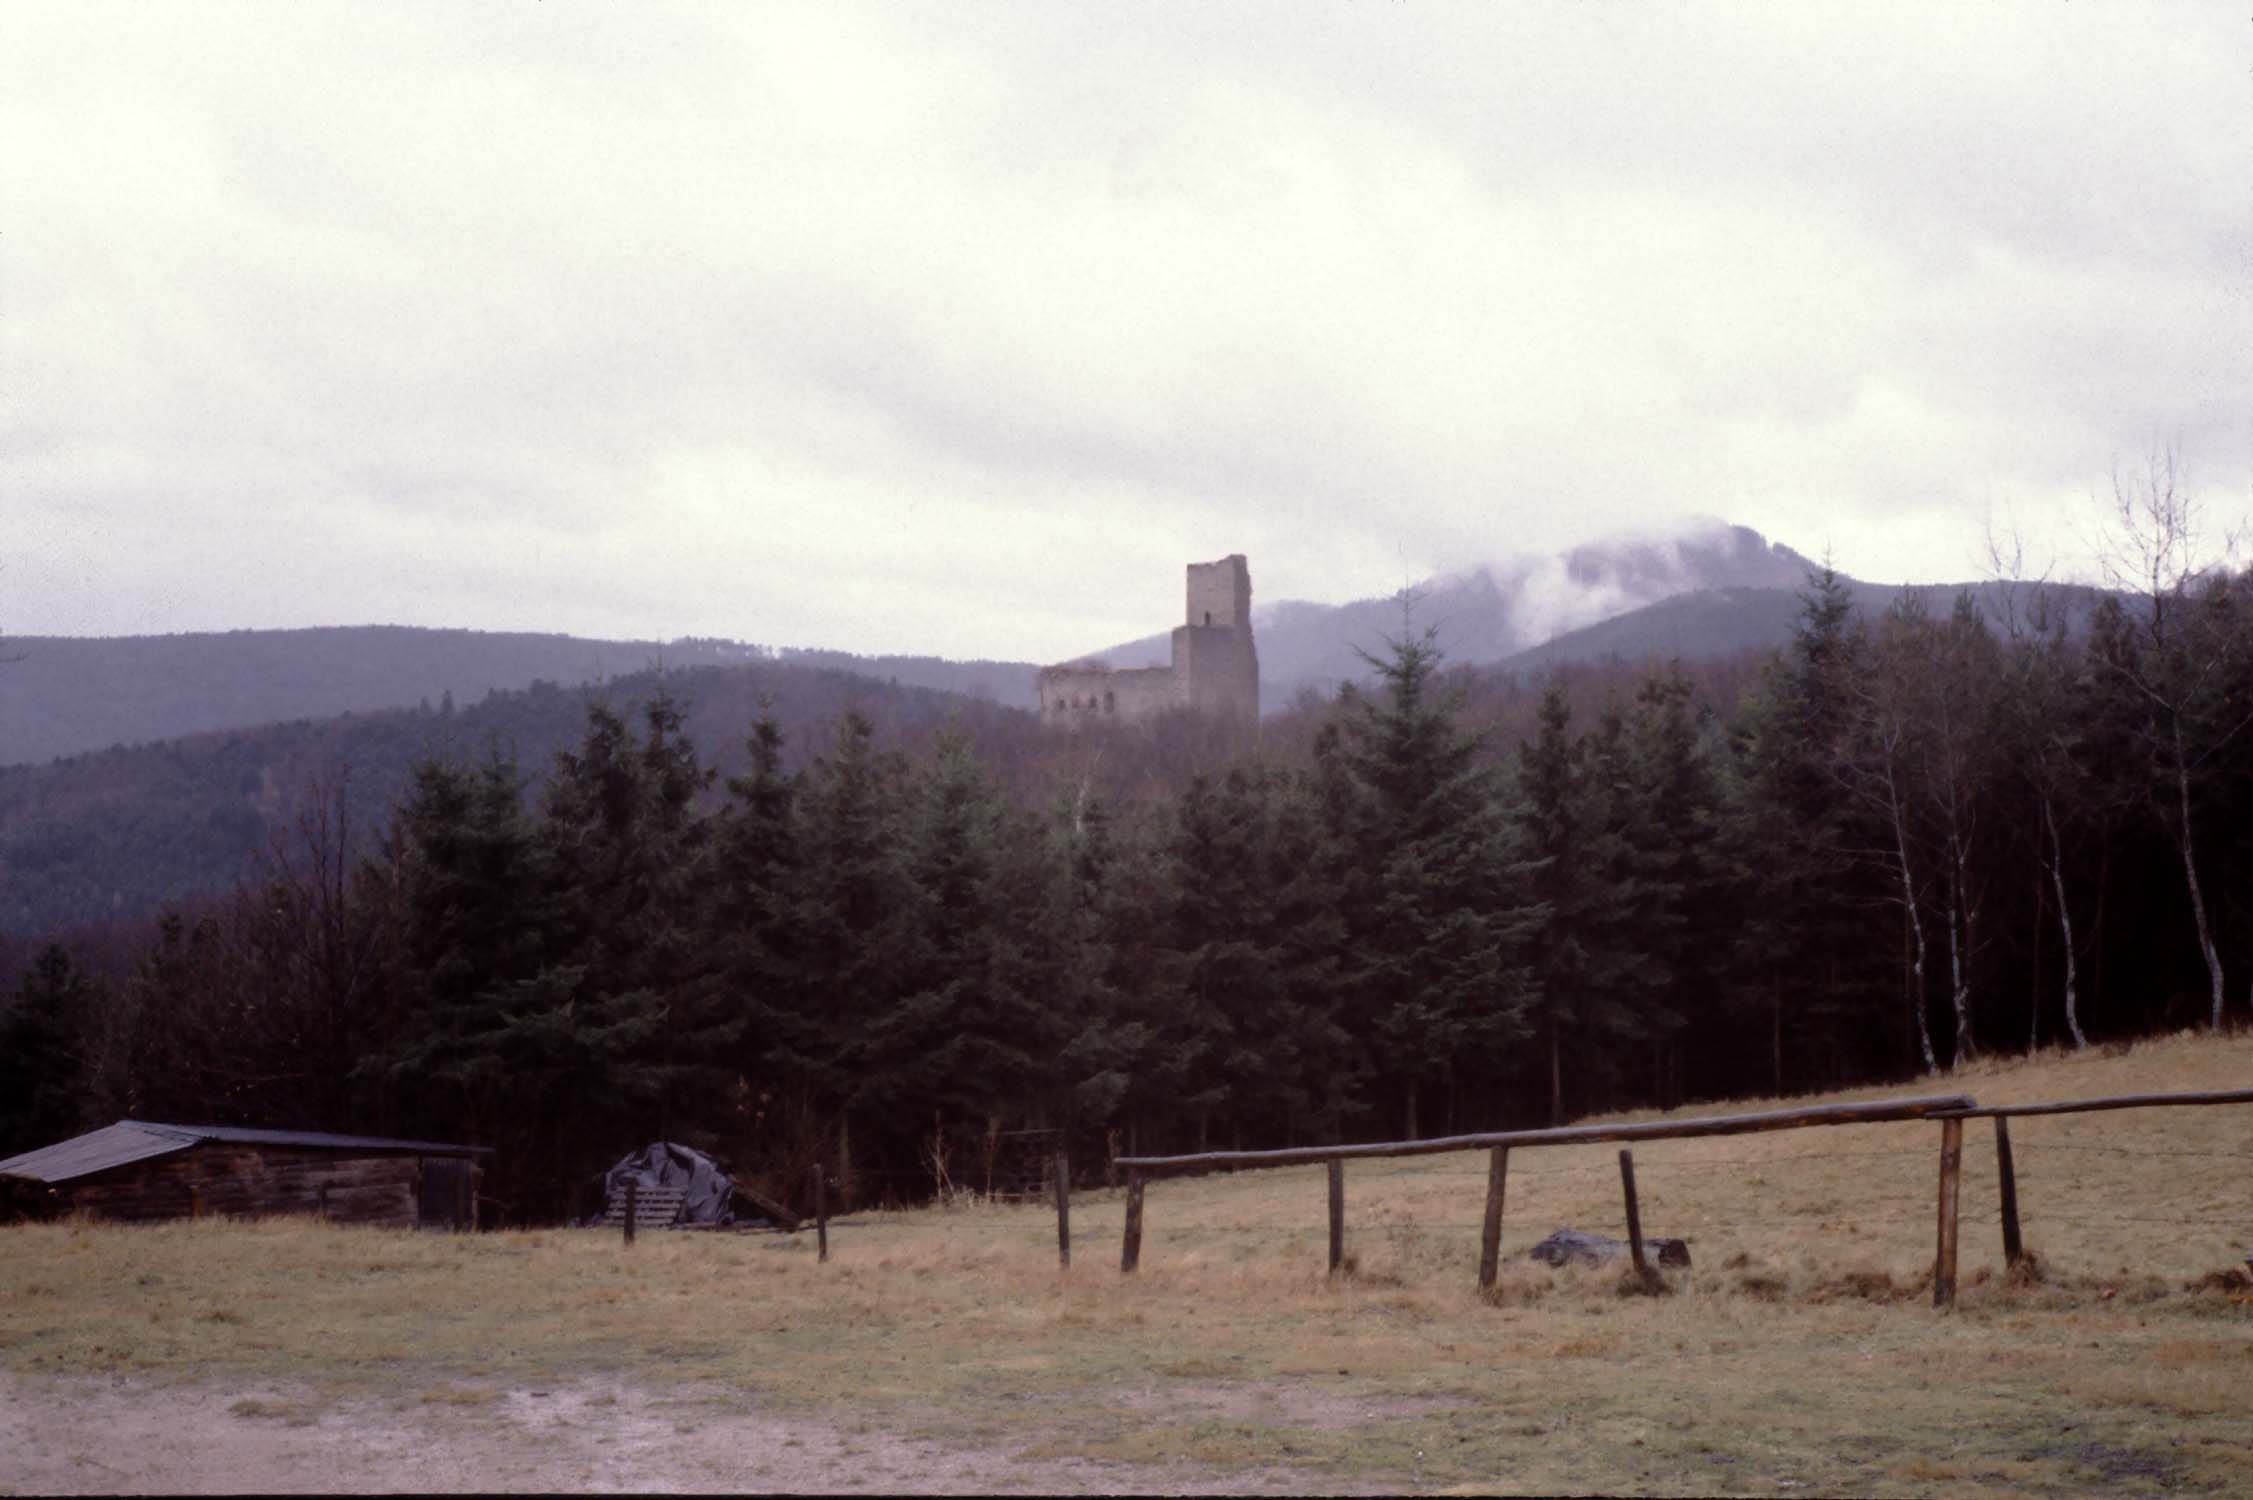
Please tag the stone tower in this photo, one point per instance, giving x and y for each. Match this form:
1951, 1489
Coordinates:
1213, 654
1215, 666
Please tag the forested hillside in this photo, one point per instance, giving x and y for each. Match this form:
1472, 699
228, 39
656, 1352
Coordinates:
1448, 901
119, 833
64, 696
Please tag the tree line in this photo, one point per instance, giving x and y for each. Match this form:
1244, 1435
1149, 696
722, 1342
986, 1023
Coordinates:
1910, 840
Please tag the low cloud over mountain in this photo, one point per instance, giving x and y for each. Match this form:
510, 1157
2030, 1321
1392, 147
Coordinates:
1498, 609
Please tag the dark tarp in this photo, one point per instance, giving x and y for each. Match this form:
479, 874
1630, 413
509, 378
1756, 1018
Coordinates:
707, 1193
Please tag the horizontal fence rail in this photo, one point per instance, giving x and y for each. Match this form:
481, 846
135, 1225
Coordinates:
1950, 1110
1876, 1112
2114, 1101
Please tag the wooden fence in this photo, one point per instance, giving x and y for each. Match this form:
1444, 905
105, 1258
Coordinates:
2006, 1169
1949, 1111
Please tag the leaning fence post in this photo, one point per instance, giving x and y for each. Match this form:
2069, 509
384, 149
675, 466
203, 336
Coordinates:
821, 1213
1490, 1236
2006, 1172
1130, 1245
633, 1198
1634, 1216
1337, 1214
1063, 1211
1951, 1178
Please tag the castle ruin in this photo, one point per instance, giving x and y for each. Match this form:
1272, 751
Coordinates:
1215, 666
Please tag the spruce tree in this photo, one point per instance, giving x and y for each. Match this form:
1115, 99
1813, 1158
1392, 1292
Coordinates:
753, 1000
1437, 947
42, 1053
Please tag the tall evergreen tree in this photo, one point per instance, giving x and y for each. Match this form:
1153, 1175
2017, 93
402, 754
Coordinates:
1437, 951
1677, 828
753, 1003
856, 919
1795, 949
42, 1051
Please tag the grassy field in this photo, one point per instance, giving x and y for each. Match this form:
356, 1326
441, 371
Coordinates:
1800, 1352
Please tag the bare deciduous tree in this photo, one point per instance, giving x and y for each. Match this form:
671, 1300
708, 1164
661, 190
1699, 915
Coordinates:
2174, 660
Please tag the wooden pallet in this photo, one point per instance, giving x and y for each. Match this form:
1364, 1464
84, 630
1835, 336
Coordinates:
654, 1208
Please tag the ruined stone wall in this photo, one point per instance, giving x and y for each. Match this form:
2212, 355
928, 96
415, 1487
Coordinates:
1086, 693
1215, 663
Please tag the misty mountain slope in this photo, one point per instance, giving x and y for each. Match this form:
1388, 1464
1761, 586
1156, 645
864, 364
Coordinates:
1722, 622
66, 696
1707, 623
1494, 612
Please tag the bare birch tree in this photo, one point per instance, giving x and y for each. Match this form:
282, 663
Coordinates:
1875, 764
2172, 660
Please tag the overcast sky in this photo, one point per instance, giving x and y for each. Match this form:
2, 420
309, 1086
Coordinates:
961, 328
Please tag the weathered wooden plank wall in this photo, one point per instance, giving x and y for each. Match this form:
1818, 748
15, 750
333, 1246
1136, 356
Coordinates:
220, 1178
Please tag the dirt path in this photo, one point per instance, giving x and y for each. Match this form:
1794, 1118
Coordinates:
93, 1436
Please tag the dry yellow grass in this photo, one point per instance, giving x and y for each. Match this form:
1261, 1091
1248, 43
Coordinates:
1801, 1351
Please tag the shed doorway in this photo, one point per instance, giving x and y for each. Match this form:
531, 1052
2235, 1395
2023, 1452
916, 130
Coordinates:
447, 1195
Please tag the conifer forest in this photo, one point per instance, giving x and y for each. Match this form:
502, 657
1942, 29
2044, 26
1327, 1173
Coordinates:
1437, 903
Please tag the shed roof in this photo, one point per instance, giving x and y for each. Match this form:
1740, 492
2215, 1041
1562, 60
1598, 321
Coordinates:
137, 1140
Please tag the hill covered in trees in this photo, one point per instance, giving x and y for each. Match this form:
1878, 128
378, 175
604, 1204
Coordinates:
117, 834
63, 696
1444, 901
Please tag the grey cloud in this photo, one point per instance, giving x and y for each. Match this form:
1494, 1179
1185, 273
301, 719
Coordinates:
712, 318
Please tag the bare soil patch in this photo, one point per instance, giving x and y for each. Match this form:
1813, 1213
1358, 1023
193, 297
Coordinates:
66, 1435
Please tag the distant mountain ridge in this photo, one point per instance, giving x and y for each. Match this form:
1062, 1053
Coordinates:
1704, 588
66, 695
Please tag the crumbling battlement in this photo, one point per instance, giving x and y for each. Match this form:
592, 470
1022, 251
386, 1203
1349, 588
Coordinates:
1215, 666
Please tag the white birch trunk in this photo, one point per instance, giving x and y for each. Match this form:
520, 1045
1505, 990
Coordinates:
1916, 923
2190, 876
2056, 862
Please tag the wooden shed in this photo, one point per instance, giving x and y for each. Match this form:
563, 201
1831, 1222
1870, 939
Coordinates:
134, 1170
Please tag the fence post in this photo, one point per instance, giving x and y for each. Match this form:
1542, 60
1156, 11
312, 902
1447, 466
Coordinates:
1490, 1236
322, 1210
821, 1213
633, 1203
1643, 1270
463, 1202
2006, 1172
1337, 1214
1063, 1211
1130, 1246
1951, 1178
